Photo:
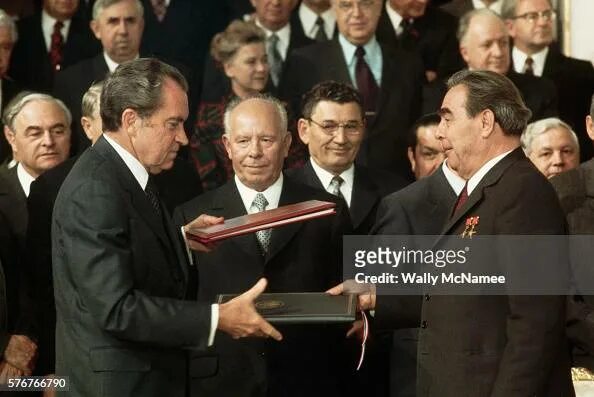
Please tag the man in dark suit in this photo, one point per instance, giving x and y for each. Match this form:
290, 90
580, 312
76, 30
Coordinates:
387, 78
120, 272
531, 25
484, 45
37, 127
517, 341
332, 127
8, 87
423, 28
461, 7
118, 26
316, 19
50, 41
300, 257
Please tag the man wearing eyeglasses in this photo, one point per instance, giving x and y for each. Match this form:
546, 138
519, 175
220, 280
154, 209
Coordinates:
389, 80
531, 25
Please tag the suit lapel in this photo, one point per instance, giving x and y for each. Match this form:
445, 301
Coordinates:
137, 197
551, 65
336, 65
491, 178
282, 235
364, 197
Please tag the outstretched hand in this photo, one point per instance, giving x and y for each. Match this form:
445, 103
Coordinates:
239, 317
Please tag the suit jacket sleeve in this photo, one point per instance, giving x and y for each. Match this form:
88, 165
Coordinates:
99, 235
395, 311
528, 356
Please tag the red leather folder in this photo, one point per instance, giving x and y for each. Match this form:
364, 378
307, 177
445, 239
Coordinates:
251, 223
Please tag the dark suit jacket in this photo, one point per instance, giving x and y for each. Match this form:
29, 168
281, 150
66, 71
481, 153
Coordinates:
574, 80
369, 187
433, 37
30, 64
421, 208
399, 104
13, 209
497, 345
216, 85
576, 193
302, 257
120, 278
9, 89
71, 85
458, 7
539, 94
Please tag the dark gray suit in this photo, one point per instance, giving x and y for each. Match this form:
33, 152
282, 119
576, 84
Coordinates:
399, 102
487, 345
120, 277
303, 257
421, 208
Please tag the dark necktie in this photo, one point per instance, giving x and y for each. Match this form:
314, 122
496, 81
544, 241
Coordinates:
321, 33
274, 59
160, 9
335, 185
153, 197
462, 198
366, 82
529, 66
263, 236
57, 42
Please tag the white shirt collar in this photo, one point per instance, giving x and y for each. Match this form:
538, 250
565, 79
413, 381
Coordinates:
272, 194
395, 18
348, 176
478, 176
456, 181
372, 49
495, 6
135, 167
47, 27
308, 21
25, 179
284, 37
111, 64
539, 58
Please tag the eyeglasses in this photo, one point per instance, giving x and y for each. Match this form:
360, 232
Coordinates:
532, 17
348, 6
330, 127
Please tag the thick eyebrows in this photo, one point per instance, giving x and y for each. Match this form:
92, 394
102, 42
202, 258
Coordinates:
444, 112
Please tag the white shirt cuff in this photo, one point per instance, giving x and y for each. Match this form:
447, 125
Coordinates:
214, 322
188, 250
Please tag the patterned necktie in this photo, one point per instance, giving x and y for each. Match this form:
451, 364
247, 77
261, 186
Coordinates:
366, 82
335, 185
57, 42
153, 196
462, 198
160, 9
274, 59
529, 66
263, 236
321, 33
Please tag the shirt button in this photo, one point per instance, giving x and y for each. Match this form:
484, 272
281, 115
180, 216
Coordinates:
423, 324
